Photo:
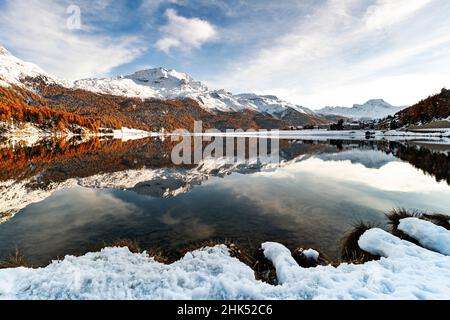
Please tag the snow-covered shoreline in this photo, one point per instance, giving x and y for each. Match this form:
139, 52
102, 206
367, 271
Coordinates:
376, 134
30, 134
405, 271
440, 136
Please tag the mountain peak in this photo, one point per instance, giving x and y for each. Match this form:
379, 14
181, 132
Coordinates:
372, 109
157, 75
371, 101
14, 70
4, 52
270, 104
377, 102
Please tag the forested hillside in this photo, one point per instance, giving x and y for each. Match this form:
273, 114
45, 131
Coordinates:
21, 105
52, 106
435, 107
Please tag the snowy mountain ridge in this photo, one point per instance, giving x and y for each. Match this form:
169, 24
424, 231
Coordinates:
372, 109
270, 104
14, 70
157, 83
161, 83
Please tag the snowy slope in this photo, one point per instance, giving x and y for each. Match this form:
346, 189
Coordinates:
430, 236
372, 109
161, 83
405, 271
270, 104
13, 70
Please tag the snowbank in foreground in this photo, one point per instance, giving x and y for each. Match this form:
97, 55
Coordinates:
405, 271
429, 235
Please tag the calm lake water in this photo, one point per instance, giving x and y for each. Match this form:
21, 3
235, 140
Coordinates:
63, 198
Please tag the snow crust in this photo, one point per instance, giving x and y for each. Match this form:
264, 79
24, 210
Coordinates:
405, 271
429, 235
311, 254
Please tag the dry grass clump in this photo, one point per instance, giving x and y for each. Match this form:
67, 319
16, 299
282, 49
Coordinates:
394, 216
135, 247
350, 250
15, 260
442, 220
201, 244
132, 245
264, 269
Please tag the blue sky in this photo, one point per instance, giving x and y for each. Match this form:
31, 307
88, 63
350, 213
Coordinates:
311, 52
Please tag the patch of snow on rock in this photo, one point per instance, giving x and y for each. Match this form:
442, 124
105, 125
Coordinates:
311, 254
428, 234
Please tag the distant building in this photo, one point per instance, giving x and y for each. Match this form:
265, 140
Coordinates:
354, 125
324, 127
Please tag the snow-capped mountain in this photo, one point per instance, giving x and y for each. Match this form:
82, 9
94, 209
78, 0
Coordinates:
162, 83
372, 109
14, 70
270, 104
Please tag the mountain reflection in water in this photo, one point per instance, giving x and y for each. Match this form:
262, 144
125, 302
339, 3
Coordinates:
64, 197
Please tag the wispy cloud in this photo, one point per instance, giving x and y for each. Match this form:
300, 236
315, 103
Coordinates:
37, 31
351, 51
385, 13
150, 6
185, 33
312, 52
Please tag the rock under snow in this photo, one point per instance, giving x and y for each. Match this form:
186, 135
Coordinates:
428, 234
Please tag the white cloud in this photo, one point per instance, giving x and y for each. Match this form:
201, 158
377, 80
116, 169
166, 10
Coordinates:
185, 33
387, 12
349, 51
37, 31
